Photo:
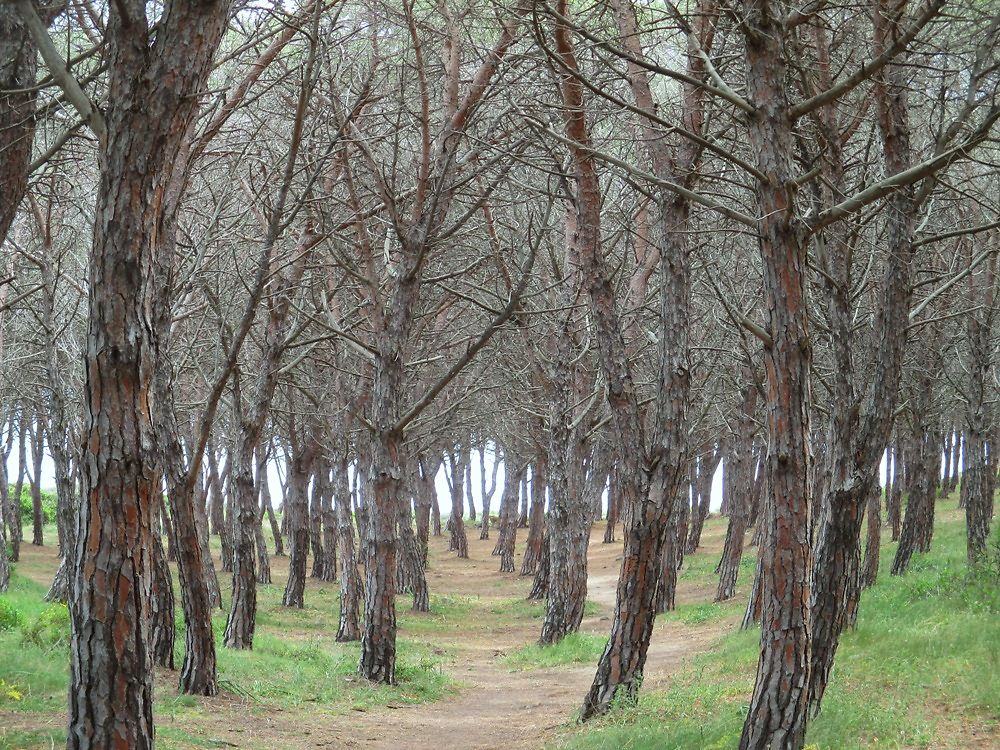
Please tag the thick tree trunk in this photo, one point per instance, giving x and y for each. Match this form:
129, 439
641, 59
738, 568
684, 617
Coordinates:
918, 521
18, 73
980, 468
241, 622
156, 86
540, 582
328, 518
777, 714
568, 526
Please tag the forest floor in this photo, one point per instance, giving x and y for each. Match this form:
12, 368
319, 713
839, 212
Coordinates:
922, 670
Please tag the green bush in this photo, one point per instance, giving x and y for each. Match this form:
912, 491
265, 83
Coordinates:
50, 629
10, 616
49, 505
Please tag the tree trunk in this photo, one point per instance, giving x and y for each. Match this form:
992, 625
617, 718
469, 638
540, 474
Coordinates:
740, 480
162, 607
536, 528
328, 518
350, 585
35, 481
522, 516
568, 526
487, 490
777, 713
540, 582
458, 542
507, 529
156, 85
17, 535
612, 518
316, 531
304, 451
918, 521
268, 507
873, 541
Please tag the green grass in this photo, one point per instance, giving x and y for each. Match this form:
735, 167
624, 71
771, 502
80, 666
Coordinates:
295, 663
704, 612
927, 644
575, 648
17, 739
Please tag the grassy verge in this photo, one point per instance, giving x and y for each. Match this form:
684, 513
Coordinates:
295, 665
576, 648
926, 652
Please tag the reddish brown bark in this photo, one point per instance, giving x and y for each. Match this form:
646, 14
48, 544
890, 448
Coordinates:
777, 714
154, 87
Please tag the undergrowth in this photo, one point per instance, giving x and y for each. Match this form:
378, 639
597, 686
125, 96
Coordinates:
927, 646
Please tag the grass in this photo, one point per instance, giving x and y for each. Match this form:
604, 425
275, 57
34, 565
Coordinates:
295, 665
575, 648
927, 646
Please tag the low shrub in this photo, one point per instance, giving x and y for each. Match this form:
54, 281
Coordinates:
50, 629
10, 616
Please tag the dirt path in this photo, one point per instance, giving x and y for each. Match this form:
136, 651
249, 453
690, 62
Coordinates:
491, 707
495, 708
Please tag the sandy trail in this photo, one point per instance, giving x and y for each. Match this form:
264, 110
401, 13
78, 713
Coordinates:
495, 708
